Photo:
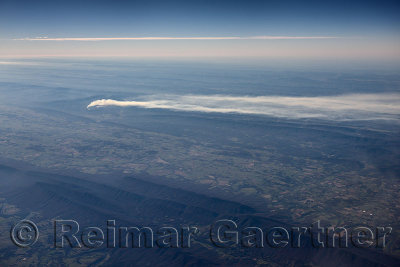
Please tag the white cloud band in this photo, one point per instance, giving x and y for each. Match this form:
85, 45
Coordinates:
176, 38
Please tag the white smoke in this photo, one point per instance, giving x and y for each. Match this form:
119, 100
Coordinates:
341, 107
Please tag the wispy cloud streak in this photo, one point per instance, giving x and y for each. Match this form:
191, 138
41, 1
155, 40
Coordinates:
176, 38
342, 107
18, 63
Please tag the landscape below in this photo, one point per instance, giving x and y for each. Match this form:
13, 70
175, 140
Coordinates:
139, 166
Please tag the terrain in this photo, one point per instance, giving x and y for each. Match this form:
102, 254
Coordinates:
157, 167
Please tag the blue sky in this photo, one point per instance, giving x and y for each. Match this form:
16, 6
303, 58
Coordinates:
353, 21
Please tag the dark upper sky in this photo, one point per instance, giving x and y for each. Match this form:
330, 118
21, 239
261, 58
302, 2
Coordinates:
121, 18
